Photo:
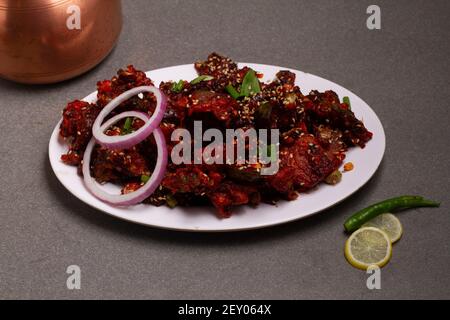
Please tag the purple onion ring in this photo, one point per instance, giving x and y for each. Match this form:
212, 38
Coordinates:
150, 186
132, 139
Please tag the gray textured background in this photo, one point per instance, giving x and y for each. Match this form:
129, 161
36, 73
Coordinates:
402, 71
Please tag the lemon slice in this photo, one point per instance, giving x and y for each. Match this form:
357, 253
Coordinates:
389, 224
368, 246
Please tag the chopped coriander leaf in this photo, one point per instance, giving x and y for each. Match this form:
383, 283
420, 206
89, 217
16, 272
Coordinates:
232, 91
250, 84
144, 178
202, 78
178, 86
127, 126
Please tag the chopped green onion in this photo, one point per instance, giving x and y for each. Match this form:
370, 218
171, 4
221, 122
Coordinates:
232, 91
127, 126
202, 78
243, 174
346, 100
178, 86
171, 201
250, 84
144, 178
270, 152
334, 178
264, 111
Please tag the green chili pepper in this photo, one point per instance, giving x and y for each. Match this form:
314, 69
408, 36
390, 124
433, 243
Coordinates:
232, 91
178, 86
127, 126
250, 84
403, 202
144, 178
202, 78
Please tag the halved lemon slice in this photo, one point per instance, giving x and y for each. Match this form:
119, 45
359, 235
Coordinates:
368, 246
389, 224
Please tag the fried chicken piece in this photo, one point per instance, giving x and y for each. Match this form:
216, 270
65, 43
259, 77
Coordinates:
303, 165
76, 129
194, 179
220, 105
118, 165
331, 140
217, 66
286, 77
125, 80
326, 108
230, 194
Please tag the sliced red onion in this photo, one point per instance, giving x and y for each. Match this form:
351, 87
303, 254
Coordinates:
143, 192
129, 140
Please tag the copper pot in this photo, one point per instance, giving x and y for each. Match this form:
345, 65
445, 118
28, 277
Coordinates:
46, 41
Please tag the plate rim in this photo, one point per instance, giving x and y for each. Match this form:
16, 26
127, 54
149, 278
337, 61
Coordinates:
276, 222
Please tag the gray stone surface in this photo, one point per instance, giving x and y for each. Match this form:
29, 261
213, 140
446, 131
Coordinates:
402, 71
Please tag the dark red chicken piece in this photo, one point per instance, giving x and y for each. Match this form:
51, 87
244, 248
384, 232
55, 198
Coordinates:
217, 66
326, 108
76, 129
331, 140
303, 165
220, 105
286, 77
192, 179
125, 80
230, 194
118, 165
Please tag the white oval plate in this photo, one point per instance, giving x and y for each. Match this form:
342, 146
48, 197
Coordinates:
203, 219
